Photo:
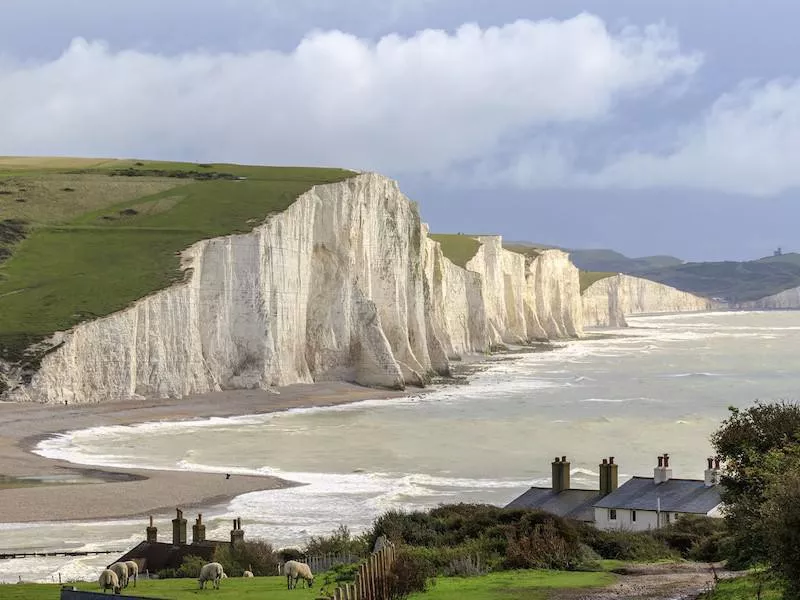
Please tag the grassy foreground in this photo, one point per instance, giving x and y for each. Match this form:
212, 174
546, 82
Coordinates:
100, 234
746, 588
507, 585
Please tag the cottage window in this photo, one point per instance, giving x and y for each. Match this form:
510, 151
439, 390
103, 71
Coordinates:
633, 516
612, 514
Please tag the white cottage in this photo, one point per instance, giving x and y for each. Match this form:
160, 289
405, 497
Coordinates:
643, 503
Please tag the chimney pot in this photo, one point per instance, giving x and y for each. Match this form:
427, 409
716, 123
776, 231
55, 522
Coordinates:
556, 459
563, 459
716, 462
611, 460
666, 460
151, 520
605, 461
660, 461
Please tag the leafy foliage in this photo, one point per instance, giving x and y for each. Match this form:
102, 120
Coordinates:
753, 442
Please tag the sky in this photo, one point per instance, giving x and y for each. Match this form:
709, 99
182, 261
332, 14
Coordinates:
650, 127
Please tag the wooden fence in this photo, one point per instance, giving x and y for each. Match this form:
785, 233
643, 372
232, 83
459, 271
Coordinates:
372, 582
325, 562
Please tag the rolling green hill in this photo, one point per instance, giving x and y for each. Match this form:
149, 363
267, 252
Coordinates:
610, 260
82, 238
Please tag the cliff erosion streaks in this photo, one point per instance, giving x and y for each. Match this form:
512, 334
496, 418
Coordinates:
345, 284
608, 301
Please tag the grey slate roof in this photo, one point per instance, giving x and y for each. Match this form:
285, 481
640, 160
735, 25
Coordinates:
572, 504
677, 495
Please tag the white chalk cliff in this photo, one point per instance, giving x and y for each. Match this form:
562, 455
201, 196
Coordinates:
608, 301
785, 300
343, 285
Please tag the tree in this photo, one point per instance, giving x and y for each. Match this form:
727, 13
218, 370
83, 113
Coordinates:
781, 517
753, 443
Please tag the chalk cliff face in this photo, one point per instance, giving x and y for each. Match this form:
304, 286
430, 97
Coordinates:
608, 301
344, 284
785, 300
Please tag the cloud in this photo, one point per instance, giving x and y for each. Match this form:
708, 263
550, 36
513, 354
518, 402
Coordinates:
747, 142
419, 104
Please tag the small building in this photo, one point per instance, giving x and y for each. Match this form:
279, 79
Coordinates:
153, 556
639, 504
643, 503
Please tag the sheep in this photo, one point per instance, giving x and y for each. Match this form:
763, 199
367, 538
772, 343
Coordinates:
247, 574
109, 580
121, 569
296, 570
211, 572
133, 570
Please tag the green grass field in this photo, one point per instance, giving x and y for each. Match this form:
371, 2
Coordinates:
512, 585
746, 588
587, 278
95, 243
457, 247
509, 585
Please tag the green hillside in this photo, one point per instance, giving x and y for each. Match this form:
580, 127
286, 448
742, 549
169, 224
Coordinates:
732, 281
603, 260
457, 247
82, 238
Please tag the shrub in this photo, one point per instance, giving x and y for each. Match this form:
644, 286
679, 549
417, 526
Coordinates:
625, 545
340, 541
287, 554
544, 546
258, 557
190, 567
410, 573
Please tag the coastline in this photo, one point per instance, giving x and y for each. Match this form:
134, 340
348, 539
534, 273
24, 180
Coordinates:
127, 493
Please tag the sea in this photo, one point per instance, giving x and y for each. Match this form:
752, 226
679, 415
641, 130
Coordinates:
662, 385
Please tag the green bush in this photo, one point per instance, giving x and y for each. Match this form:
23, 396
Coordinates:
258, 557
340, 541
625, 545
409, 574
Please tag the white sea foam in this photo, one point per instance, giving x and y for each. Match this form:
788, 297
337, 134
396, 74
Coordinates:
539, 405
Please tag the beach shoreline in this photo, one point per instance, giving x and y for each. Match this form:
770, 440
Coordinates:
122, 493
116, 493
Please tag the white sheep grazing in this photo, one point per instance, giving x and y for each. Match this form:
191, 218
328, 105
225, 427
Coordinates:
247, 574
296, 570
121, 569
133, 571
211, 572
109, 581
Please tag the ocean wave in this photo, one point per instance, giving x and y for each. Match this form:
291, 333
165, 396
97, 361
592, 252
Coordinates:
619, 400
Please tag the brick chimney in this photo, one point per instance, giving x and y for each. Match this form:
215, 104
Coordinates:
560, 474
712, 472
179, 529
198, 530
237, 534
609, 476
662, 473
152, 532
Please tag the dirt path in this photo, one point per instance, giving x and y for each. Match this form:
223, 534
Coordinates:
674, 581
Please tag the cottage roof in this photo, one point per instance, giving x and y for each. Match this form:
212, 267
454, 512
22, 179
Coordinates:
155, 556
675, 495
572, 504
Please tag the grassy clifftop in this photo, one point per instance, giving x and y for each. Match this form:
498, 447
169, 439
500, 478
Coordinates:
457, 247
587, 278
82, 238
